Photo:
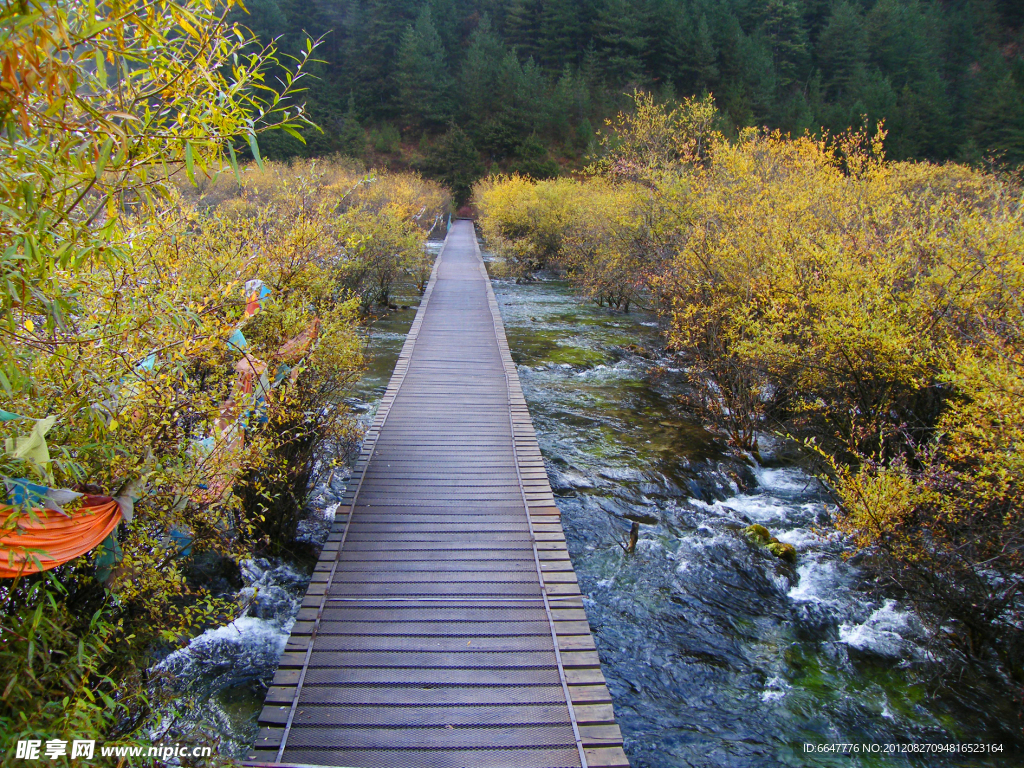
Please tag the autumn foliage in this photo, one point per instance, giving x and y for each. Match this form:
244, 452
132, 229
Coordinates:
870, 310
189, 324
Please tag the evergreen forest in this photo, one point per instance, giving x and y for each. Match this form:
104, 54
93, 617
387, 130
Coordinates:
458, 88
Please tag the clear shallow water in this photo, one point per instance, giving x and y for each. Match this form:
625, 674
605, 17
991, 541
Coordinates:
716, 652
218, 681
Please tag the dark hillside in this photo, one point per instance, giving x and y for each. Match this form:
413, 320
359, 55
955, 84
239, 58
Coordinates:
523, 84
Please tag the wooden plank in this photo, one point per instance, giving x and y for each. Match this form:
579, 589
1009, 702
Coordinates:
606, 757
581, 694
433, 737
594, 714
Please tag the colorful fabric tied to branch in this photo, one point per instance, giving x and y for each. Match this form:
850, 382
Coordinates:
45, 536
41, 539
255, 294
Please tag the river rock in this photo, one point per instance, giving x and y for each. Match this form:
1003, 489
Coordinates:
761, 537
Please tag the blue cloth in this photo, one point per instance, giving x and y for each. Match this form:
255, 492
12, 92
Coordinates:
237, 339
108, 556
182, 541
22, 493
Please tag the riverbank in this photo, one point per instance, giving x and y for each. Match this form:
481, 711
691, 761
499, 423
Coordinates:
213, 688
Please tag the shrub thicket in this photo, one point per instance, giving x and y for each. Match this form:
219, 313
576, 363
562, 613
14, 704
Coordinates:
128, 316
869, 309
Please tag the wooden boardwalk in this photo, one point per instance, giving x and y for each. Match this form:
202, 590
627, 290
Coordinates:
444, 627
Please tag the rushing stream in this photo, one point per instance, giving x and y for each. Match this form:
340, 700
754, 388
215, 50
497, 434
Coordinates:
716, 652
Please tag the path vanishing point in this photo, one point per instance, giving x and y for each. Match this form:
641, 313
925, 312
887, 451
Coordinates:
444, 627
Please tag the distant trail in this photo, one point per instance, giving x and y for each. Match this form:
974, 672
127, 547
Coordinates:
444, 627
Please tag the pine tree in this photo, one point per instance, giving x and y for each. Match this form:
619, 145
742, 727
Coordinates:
920, 124
841, 52
445, 15
897, 40
561, 105
351, 138
759, 77
455, 162
425, 86
480, 76
784, 26
560, 34
265, 18
620, 32
522, 27
998, 125
376, 51
705, 57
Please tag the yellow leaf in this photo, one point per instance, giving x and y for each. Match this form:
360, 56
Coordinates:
29, 325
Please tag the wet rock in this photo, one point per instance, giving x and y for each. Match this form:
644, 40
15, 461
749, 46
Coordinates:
621, 474
570, 480
637, 350
339, 480
762, 537
887, 633
617, 506
657, 485
758, 534
214, 572
783, 551
639, 517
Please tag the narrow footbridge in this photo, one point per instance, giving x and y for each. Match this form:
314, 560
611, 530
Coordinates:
444, 627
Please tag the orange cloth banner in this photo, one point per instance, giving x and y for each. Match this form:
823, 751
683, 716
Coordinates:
49, 539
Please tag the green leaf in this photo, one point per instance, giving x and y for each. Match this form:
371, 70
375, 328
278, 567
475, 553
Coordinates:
190, 164
255, 150
105, 150
234, 163
101, 69
63, 254
292, 132
28, 192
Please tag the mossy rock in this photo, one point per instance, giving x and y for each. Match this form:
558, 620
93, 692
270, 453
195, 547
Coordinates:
782, 551
758, 534
762, 537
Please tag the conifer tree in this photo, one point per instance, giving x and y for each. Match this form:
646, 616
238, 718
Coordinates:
522, 27
456, 162
620, 32
480, 76
352, 138
560, 34
376, 50
841, 51
784, 26
425, 87
705, 57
